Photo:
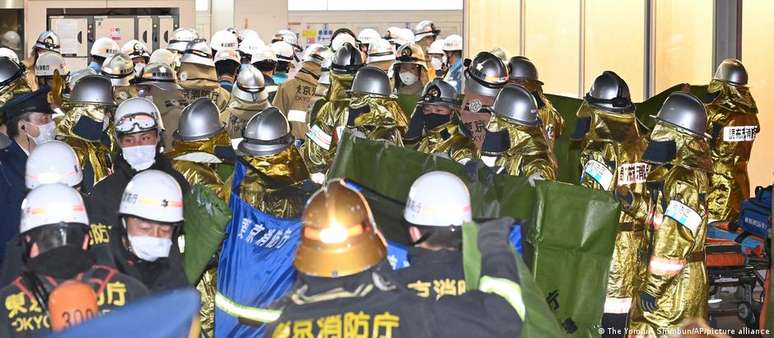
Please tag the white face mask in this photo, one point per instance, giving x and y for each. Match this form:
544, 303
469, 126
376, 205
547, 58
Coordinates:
46, 133
138, 67
437, 63
140, 157
408, 78
150, 248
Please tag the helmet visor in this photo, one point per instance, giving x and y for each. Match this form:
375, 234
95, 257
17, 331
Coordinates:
136, 123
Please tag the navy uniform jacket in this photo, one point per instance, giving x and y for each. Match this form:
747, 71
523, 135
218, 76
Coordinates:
12, 191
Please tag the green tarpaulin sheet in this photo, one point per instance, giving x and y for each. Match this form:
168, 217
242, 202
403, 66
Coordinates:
206, 217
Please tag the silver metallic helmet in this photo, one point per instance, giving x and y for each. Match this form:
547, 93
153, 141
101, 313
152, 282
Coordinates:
180, 39
199, 121
371, 80
48, 40
610, 92
119, 68
159, 75
316, 53
440, 92
79, 74
520, 68
514, 103
686, 112
347, 60
249, 85
485, 75
732, 71
266, 133
198, 52
93, 89
9, 71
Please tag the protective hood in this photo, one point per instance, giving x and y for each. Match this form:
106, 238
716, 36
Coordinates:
732, 98
18, 86
376, 111
690, 151
523, 150
213, 145
244, 110
612, 127
83, 121
340, 85
309, 72
285, 167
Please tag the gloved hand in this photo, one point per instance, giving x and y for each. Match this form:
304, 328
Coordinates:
624, 196
494, 231
648, 302
534, 178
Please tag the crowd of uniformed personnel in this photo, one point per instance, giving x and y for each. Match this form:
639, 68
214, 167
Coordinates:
96, 162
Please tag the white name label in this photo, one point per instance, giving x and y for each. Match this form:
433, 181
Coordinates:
683, 215
740, 133
632, 173
297, 116
599, 172
319, 137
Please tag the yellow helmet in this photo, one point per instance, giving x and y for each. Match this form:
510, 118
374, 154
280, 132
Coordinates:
339, 236
411, 53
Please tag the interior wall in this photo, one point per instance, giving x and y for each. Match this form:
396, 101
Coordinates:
501, 30
264, 17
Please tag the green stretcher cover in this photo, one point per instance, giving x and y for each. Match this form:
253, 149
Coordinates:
206, 217
577, 228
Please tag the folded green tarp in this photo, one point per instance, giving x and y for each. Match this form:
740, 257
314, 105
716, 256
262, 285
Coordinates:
206, 217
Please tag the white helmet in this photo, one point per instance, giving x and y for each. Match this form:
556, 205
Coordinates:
316, 53
228, 54
105, 47
452, 43
49, 41
436, 47
263, 53
403, 36
368, 36
52, 162
136, 115
135, 49
423, 29
162, 56
288, 36
224, 40
341, 39
438, 198
153, 195
180, 39
52, 204
380, 50
248, 34
119, 68
251, 44
11, 39
48, 62
283, 51
9, 53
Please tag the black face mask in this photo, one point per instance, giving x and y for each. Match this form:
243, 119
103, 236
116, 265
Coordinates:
63, 262
88, 128
582, 126
496, 143
225, 153
354, 112
660, 152
434, 120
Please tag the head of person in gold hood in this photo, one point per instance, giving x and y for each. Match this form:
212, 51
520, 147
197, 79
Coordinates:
12, 80
410, 68
515, 141
373, 112
523, 72
276, 180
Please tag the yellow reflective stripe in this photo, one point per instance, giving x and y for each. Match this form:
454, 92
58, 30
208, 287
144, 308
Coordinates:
507, 289
247, 312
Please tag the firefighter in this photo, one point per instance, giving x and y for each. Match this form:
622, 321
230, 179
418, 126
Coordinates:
101, 50
46, 65
248, 97
227, 63
55, 233
675, 285
515, 142
198, 77
249, 46
438, 60
523, 72
179, 42
411, 69
285, 57
483, 78
158, 81
452, 46
13, 81
610, 159
47, 41
120, 69
381, 53
139, 54
425, 34
436, 127
372, 112
265, 60
733, 125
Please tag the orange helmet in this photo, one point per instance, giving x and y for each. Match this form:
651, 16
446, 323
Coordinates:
339, 236
71, 303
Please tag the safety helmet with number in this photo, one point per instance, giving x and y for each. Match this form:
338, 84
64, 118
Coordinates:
52, 162
9, 53
380, 50
136, 115
411, 53
48, 62
516, 104
49, 41
135, 49
181, 37
425, 28
224, 40
440, 92
486, 74
438, 199
266, 133
153, 195
520, 68
52, 204
283, 51
339, 235
250, 85
610, 92
251, 45
367, 36
104, 48
731, 71
198, 52
347, 60
119, 68
686, 112
159, 75
371, 80
452, 43
316, 53
93, 89
199, 120
9, 71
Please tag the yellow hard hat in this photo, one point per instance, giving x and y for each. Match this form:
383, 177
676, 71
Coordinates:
339, 236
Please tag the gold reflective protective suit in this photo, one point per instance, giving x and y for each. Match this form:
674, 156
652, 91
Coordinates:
610, 159
29, 74
201, 81
279, 198
677, 214
553, 122
733, 124
528, 153
318, 150
123, 93
238, 112
18, 86
94, 153
382, 118
293, 98
448, 139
